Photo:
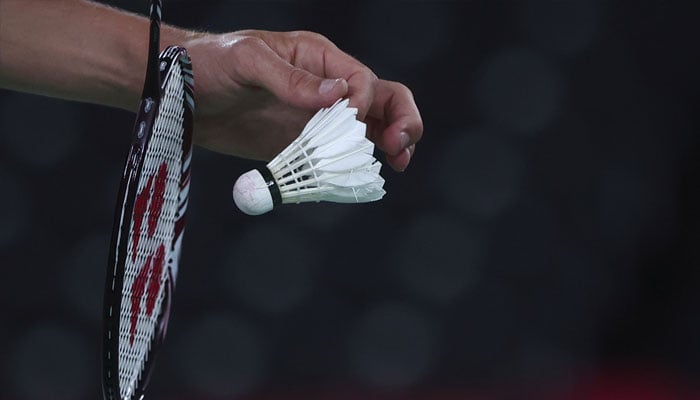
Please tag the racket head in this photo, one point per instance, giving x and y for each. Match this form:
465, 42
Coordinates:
148, 228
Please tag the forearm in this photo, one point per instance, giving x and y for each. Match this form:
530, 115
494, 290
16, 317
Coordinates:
75, 49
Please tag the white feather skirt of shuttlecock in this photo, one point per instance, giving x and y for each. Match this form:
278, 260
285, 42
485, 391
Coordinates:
331, 160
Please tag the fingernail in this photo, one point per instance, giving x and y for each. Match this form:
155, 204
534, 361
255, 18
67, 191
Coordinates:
404, 139
327, 85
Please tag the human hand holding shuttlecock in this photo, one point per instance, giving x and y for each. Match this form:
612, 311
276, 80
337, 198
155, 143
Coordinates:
331, 160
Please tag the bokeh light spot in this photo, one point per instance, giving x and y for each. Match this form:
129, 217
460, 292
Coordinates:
437, 259
518, 91
393, 346
395, 39
50, 362
220, 356
481, 174
561, 27
270, 268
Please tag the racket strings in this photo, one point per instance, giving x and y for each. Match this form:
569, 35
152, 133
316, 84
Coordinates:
150, 248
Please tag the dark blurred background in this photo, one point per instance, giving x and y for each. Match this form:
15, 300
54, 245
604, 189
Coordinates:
543, 244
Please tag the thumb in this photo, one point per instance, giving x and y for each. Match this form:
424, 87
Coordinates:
307, 90
296, 86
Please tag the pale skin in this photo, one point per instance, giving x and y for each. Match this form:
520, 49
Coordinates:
255, 90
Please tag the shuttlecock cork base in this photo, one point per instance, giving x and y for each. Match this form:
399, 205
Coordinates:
256, 192
331, 160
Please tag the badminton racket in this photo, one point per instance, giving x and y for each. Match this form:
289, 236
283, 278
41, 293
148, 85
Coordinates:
149, 221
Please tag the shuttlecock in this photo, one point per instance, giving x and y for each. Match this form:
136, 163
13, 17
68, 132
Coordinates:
331, 160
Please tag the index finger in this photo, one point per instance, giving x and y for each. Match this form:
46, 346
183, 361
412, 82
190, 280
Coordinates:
400, 124
318, 55
361, 80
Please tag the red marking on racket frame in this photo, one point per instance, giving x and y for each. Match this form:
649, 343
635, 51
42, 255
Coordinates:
149, 274
153, 267
140, 206
138, 289
157, 199
154, 284
153, 200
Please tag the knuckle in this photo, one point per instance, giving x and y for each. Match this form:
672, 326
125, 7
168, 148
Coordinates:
366, 79
370, 76
309, 36
402, 90
250, 43
297, 78
317, 37
246, 49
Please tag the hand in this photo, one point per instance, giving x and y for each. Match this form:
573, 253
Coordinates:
256, 90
